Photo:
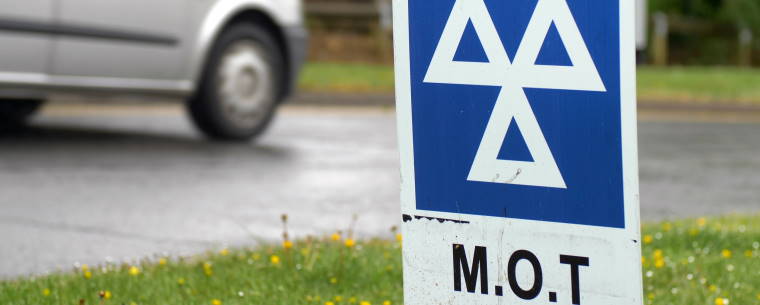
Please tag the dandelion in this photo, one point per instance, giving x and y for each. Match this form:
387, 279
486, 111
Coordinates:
701, 221
648, 239
333, 280
287, 244
667, 227
46, 292
134, 271
659, 263
365, 303
726, 253
386, 302
162, 261
329, 303
338, 298
207, 269
181, 281
335, 237
274, 259
350, 243
224, 252
398, 237
85, 267
87, 274
105, 294
352, 300
643, 260
721, 301
650, 296
712, 288
657, 253
216, 302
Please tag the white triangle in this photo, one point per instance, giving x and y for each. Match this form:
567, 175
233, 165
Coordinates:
581, 75
443, 68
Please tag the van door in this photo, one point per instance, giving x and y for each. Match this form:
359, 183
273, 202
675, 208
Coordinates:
125, 40
25, 38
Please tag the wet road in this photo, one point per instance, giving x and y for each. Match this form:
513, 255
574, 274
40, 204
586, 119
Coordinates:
91, 184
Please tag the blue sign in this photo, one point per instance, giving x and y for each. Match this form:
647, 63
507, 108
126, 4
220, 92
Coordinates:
516, 109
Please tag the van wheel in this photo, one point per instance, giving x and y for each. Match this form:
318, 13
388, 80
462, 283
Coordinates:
238, 93
15, 113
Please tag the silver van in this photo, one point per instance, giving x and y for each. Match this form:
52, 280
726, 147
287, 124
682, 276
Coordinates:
233, 61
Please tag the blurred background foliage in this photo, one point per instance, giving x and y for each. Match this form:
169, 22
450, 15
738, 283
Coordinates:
701, 32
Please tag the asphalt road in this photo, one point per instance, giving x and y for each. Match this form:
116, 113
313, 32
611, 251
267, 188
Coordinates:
92, 184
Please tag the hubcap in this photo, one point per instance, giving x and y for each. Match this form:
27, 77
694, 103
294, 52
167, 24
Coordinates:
245, 87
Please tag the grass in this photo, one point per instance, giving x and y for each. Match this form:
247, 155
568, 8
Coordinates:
665, 85
700, 85
695, 262
347, 78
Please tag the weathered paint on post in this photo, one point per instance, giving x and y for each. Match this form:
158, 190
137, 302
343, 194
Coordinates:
517, 132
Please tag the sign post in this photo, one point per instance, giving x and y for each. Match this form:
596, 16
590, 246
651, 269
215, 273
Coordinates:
517, 131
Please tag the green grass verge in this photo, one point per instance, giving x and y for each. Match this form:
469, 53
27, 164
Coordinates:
347, 78
699, 85
695, 262
669, 85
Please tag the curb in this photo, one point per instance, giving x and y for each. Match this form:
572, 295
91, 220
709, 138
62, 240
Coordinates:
388, 100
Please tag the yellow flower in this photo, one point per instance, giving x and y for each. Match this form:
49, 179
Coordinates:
659, 263
365, 303
46, 292
748, 253
386, 302
643, 260
350, 242
134, 271
712, 288
181, 281
726, 253
87, 275
216, 302
352, 300
650, 296
648, 239
275, 260
287, 244
207, 270
721, 301
701, 221
224, 252
657, 253
329, 303
106, 295
758, 296
398, 237
340, 298
333, 280
132, 303
85, 267
335, 237
162, 261
667, 227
